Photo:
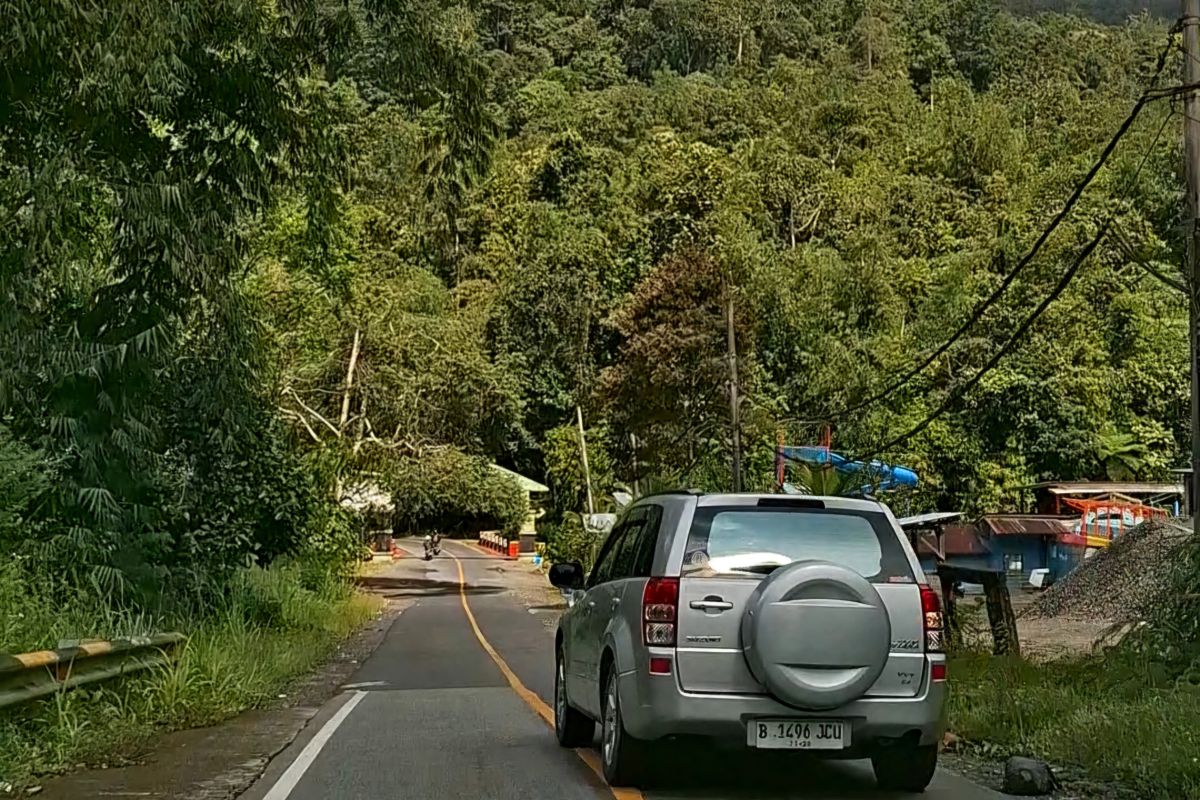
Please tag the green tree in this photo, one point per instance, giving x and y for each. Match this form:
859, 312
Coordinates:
138, 143
564, 468
669, 383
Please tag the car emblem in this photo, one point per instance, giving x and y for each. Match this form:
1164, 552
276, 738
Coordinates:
704, 639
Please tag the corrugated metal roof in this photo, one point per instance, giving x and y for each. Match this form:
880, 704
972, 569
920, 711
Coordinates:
963, 540
528, 484
1024, 524
929, 519
1105, 487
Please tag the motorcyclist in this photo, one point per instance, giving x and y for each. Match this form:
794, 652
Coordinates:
433, 545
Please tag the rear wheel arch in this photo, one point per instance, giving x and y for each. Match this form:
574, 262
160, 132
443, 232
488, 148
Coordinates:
572, 727
608, 662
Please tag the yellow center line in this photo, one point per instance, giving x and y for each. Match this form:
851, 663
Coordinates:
531, 699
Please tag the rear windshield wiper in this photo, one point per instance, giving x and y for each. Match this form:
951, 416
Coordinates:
758, 569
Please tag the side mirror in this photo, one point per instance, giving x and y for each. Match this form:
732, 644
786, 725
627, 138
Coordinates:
567, 576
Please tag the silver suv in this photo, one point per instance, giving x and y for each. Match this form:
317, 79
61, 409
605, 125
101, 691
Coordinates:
773, 621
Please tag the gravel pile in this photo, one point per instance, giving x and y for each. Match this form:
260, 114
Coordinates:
1119, 583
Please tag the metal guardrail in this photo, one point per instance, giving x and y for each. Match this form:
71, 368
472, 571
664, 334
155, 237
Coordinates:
29, 676
500, 545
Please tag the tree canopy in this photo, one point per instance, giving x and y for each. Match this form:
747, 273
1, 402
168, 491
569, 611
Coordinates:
252, 249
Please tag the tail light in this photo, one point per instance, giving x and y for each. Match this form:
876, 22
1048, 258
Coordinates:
931, 611
660, 603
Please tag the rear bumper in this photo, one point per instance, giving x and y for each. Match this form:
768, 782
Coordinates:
655, 707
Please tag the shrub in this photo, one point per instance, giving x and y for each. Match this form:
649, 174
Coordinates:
290, 595
570, 541
1112, 715
24, 475
37, 610
564, 467
1171, 633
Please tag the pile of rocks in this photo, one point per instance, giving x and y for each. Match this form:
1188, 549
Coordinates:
1120, 583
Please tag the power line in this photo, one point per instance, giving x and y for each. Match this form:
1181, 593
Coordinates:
1008, 347
1131, 254
1014, 340
1151, 93
1123, 241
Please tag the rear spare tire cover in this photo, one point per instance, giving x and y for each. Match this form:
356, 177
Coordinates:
816, 634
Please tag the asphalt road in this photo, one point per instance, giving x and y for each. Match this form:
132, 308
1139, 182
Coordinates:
432, 715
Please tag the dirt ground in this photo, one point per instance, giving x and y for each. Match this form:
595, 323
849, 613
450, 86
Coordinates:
1041, 639
1047, 639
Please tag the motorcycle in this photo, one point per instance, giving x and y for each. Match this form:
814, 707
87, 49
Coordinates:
433, 546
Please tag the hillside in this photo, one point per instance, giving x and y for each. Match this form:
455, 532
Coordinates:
1113, 12
353, 240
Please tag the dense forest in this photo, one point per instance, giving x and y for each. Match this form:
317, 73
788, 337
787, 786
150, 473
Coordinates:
1110, 11
252, 251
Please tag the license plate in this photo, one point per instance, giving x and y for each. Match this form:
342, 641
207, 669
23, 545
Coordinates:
799, 734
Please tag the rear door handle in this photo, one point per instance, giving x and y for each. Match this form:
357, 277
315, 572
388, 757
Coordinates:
711, 605
616, 601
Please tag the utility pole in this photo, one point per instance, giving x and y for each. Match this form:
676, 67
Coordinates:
734, 422
1190, 22
587, 483
587, 475
633, 448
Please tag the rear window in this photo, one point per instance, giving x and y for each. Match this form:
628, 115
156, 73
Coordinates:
751, 542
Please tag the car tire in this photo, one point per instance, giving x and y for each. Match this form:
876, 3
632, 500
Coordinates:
905, 768
621, 756
572, 727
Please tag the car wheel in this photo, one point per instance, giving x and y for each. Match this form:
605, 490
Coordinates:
905, 768
621, 755
571, 727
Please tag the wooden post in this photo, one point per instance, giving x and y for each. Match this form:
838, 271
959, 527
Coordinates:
633, 444
735, 425
587, 474
1190, 22
1000, 615
952, 633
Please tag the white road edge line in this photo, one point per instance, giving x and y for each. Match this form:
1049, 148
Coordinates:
295, 771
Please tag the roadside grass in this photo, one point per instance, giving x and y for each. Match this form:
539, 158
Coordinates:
1117, 717
273, 626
